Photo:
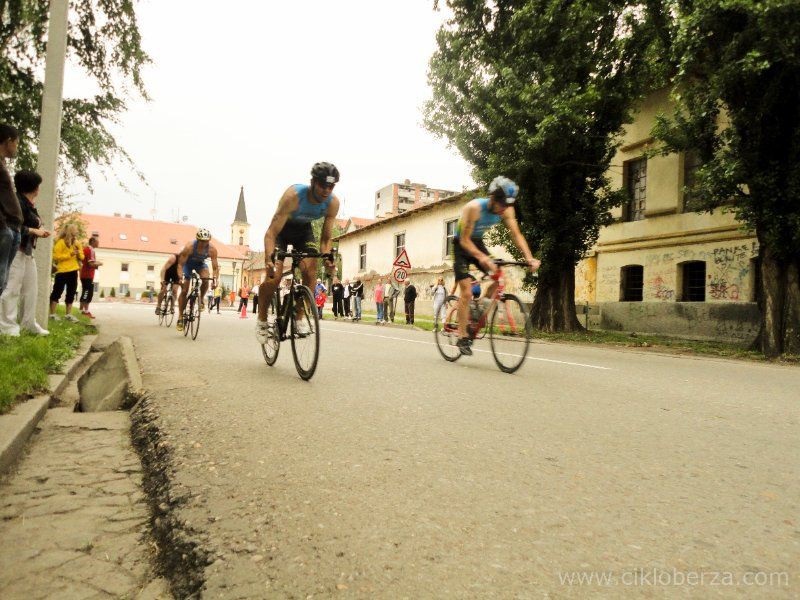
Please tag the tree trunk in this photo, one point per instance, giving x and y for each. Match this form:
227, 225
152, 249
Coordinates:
779, 302
554, 304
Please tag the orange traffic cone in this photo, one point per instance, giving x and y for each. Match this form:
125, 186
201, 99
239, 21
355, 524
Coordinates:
244, 312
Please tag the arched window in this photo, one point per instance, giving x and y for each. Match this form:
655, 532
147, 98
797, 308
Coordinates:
692, 281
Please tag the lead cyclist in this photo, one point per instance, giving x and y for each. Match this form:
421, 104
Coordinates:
477, 217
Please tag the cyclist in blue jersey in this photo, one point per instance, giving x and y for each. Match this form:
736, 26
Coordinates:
193, 258
477, 217
298, 207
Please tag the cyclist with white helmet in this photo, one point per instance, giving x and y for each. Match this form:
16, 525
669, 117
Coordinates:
298, 207
477, 217
193, 258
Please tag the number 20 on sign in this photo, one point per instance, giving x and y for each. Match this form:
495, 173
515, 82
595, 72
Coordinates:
400, 275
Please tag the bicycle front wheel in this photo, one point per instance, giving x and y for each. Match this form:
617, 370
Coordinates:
509, 333
445, 331
170, 311
305, 333
187, 316
195, 323
273, 345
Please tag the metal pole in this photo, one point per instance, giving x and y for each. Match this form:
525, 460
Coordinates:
49, 143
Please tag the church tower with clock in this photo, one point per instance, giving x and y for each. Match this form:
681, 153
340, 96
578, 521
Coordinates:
240, 228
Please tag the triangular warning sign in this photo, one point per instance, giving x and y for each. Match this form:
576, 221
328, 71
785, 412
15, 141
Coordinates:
402, 260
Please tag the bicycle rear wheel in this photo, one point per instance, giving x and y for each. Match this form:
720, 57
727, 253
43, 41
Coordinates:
161, 313
169, 303
187, 315
273, 345
446, 330
195, 317
305, 333
509, 333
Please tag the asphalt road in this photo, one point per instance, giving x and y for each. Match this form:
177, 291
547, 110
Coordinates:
395, 474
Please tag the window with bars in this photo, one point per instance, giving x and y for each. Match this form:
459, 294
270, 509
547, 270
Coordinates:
636, 186
124, 267
632, 283
450, 236
362, 257
399, 244
693, 281
691, 162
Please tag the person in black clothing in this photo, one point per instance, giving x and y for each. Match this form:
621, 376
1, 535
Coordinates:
357, 291
410, 296
338, 298
348, 293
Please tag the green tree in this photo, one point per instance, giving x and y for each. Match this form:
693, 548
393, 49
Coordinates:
538, 90
103, 41
737, 85
316, 227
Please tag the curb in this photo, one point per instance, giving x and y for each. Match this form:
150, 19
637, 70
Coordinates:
18, 425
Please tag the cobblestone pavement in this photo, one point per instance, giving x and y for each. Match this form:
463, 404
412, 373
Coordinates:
72, 515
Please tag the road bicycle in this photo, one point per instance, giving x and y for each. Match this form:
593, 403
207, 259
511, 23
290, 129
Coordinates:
294, 317
504, 321
191, 312
166, 313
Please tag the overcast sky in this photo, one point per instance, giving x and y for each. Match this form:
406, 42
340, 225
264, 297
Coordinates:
252, 93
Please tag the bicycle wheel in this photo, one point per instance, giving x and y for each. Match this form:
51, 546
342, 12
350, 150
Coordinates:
509, 333
187, 315
446, 330
169, 303
273, 345
195, 318
305, 333
161, 314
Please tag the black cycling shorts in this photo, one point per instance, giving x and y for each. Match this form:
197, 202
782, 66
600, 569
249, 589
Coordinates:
463, 259
299, 236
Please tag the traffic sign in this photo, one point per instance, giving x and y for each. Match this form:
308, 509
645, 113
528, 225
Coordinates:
400, 275
402, 260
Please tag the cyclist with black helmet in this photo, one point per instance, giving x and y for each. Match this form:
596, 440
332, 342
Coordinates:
193, 258
169, 277
477, 217
291, 225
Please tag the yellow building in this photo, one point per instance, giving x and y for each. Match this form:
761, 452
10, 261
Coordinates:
659, 268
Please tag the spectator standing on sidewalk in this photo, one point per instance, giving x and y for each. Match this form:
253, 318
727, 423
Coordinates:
90, 263
320, 287
231, 298
22, 279
320, 299
217, 297
338, 298
390, 294
357, 290
10, 211
67, 257
379, 286
348, 293
254, 292
409, 298
439, 296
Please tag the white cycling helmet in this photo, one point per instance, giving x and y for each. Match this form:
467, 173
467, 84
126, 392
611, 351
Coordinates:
504, 190
203, 234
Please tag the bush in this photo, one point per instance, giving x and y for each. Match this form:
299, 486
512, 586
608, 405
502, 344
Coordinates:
113, 293
102, 293
128, 294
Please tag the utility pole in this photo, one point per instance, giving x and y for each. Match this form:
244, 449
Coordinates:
49, 144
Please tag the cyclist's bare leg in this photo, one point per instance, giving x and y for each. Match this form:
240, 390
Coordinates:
184, 296
176, 289
308, 268
464, 294
161, 295
490, 290
267, 290
203, 285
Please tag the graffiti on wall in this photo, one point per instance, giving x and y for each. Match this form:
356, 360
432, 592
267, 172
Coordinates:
661, 290
728, 270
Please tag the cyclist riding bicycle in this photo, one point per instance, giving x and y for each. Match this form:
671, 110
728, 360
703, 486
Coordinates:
291, 225
193, 258
169, 276
477, 217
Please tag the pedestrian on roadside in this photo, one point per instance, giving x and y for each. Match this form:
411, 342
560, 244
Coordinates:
409, 298
320, 287
254, 293
231, 298
22, 278
439, 296
209, 299
358, 296
320, 299
90, 263
391, 292
379, 286
244, 295
10, 211
338, 298
67, 257
348, 293
217, 297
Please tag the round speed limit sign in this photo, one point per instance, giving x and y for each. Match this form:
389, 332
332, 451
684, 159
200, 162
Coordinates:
400, 275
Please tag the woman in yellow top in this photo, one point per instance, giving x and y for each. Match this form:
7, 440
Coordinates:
67, 256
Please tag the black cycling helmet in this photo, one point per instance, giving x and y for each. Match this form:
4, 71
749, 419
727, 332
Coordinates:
325, 172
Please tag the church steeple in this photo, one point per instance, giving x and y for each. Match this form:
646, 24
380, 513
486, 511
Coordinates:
240, 228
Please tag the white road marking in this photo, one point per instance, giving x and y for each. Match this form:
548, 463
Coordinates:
392, 337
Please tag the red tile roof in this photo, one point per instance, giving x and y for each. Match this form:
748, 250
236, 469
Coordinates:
148, 236
360, 222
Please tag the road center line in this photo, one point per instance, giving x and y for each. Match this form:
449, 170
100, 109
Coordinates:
392, 337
